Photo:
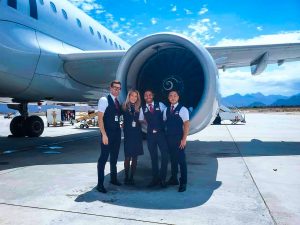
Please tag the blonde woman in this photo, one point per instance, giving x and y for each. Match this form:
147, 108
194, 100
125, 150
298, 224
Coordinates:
133, 142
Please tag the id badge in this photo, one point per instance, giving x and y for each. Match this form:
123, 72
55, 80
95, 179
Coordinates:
133, 124
116, 118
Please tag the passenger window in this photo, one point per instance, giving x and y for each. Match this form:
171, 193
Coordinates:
116, 46
12, 3
110, 42
42, 2
105, 39
91, 30
64, 14
120, 47
53, 7
78, 23
99, 35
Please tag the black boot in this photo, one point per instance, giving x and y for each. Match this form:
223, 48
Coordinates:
101, 189
114, 180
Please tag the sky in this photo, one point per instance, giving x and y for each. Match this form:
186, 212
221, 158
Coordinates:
213, 23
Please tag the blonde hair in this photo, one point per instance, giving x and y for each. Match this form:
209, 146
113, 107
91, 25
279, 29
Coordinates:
137, 104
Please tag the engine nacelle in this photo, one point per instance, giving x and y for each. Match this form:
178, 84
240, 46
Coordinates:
164, 61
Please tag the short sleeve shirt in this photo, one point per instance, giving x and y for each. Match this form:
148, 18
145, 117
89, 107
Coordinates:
183, 113
103, 103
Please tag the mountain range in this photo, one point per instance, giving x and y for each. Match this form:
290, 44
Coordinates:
260, 100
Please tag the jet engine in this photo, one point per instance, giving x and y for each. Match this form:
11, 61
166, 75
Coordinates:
164, 61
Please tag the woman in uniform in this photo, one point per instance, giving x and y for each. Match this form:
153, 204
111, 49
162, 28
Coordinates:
133, 142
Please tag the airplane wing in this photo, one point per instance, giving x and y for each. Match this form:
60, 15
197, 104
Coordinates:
255, 56
85, 67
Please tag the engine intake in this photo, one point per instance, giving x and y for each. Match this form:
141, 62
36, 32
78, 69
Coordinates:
164, 61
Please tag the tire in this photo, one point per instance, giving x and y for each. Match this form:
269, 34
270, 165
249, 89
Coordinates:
86, 126
48, 125
17, 127
34, 126
81, 126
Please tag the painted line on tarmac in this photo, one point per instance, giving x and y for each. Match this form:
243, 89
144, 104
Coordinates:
83, 213
237, 147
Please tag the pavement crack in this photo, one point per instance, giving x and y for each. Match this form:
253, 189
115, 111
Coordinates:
83, 213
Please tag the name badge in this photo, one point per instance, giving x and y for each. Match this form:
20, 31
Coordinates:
176, 113
157, 109
116, 118
146, 110
154, 131
133, 124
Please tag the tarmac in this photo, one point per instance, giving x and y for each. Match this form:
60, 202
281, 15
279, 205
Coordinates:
237, 174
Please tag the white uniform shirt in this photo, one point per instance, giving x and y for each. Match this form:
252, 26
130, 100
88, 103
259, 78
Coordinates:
162, 107
103, 103
183, 113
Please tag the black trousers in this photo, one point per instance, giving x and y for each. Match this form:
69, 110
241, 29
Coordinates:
153, 141
112, 149
177, 156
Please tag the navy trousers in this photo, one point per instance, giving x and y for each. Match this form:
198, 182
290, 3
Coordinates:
153, 141
177, 156
112, 149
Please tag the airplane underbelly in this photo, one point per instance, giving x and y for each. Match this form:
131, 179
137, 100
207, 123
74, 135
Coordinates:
19, 54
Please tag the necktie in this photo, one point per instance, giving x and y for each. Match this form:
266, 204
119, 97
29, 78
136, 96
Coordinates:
117, 104
172, 108
151, 108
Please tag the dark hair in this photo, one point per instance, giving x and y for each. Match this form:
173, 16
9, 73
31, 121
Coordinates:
175, 90
150, 90
115, 82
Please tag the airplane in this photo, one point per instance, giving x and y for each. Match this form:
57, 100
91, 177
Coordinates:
51, 50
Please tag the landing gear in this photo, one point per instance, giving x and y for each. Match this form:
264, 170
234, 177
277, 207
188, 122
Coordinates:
24, 125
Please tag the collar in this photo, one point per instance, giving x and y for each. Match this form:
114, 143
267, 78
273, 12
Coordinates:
149, 104
113, 97
175, 105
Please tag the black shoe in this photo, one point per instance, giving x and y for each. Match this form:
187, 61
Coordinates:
101, 188
182, 188
131, 181
153, 183
115, 182
163, 184
173, 181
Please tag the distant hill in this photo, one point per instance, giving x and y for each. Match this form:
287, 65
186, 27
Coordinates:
248, 100
292, 101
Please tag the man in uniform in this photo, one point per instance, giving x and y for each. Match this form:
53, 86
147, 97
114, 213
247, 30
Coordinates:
151, 113
109, 112
176, 117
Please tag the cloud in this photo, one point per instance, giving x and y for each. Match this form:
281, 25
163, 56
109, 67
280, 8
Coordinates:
154, 21
283, 80
188, 12
88, 5
203, 10
122, 19
259, 28
174, 8
282, 37
202, 30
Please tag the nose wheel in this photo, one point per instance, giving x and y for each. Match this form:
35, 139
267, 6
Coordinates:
24, 125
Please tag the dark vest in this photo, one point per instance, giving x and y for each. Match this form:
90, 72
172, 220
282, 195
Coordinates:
155, 119
110, 125
174, 123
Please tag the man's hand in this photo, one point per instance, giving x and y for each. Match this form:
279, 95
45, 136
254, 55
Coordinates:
105, 139
182, 144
